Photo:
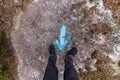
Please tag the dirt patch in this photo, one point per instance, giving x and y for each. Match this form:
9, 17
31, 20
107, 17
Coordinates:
100, 28
77, 5
104, 70
115, 7
101, 59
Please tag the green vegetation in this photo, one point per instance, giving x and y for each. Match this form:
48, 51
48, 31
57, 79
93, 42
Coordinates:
78, 12
3, 51
1, 36
114, 29
3, 72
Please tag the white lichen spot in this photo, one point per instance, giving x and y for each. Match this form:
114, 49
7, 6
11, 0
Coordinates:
89, 5
17, 21
105, 12
116, 57
16, 1
92, 66
35, 1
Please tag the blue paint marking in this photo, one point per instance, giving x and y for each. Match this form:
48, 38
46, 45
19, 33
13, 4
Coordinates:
62, 43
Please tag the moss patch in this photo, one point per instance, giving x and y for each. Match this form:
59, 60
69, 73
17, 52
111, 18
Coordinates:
2, 52
7, 59
1, 36
3, 73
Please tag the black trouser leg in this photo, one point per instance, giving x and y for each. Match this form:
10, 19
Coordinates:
70, 72
51, 72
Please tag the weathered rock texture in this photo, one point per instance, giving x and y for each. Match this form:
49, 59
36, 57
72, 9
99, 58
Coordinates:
94, 25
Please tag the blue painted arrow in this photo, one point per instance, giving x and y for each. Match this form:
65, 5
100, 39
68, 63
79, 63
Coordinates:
62, 43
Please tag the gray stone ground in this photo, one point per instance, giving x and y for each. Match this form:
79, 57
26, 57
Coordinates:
35, 29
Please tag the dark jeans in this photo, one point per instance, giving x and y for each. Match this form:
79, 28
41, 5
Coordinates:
51, 72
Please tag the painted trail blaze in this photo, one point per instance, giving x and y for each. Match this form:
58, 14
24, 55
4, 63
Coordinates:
63, 41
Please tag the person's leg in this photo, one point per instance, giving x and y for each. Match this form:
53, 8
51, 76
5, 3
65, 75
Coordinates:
51, 72
70, 72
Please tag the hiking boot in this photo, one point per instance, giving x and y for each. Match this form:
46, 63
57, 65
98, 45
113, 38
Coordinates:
72, 51
52, 50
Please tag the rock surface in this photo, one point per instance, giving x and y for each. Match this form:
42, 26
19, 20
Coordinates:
93, 27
